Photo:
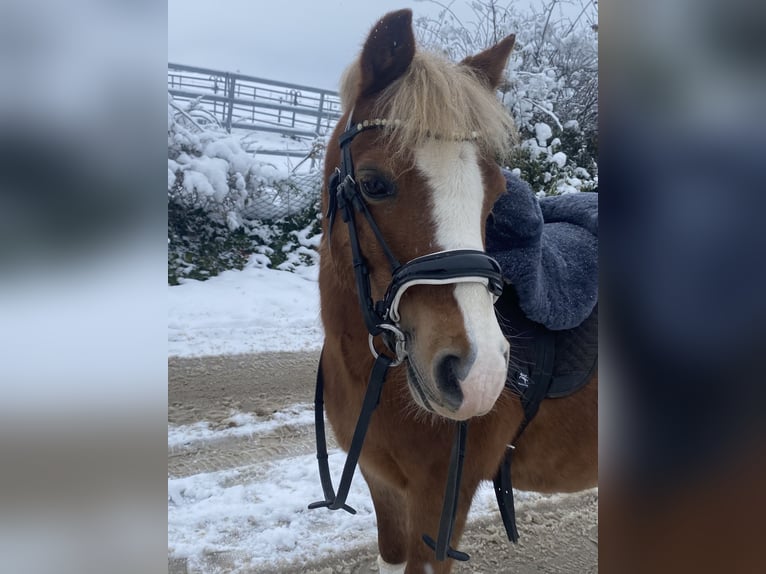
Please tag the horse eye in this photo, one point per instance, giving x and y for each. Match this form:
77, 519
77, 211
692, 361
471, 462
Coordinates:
376, 187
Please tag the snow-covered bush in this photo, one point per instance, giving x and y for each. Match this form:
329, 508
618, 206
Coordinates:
227, 209
209, 169
200, 247
552, 165
552, 84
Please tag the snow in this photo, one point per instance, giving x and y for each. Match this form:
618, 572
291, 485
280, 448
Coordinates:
249, 311
543, 133
207, 175
266, 520
559, 158
239, 424
257, 514
239, 169
572, 125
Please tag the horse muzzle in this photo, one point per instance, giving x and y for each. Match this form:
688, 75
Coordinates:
457, 367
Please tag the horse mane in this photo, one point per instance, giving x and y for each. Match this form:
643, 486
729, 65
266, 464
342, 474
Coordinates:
436, 98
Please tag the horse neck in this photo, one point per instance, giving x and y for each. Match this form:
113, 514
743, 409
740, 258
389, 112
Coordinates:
341, 315
346, 352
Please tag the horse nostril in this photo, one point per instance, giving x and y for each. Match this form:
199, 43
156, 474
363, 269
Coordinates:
447, 379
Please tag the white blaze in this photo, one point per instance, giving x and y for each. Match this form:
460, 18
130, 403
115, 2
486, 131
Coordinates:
453, 174
452, 170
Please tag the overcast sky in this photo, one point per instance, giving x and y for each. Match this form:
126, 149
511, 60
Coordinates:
307, 42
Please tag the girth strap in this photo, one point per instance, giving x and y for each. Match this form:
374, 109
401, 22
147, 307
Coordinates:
542, 377
504, 495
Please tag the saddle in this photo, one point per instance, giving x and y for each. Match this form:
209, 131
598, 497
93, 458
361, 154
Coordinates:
548, 252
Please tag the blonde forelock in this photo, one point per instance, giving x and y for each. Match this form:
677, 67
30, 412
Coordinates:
436, 98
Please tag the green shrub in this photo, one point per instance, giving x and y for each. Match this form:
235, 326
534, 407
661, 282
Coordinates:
200, 246
553, 161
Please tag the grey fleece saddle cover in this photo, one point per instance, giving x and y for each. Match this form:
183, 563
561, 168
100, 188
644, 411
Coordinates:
548, 251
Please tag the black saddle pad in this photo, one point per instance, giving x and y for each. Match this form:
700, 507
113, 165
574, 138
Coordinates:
575, 351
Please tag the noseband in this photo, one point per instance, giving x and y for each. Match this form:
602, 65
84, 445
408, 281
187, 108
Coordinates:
439, 268
382, 318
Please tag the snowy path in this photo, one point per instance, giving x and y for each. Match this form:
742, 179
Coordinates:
241, 463
241, 471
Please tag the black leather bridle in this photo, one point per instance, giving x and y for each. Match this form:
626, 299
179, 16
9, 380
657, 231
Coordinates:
440, 268
382, 318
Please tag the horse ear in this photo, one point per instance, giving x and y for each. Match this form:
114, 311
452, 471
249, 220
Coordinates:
387, 53
491, 62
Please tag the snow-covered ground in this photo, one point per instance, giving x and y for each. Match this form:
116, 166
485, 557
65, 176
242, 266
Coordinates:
267, 521
257, 513
249, 311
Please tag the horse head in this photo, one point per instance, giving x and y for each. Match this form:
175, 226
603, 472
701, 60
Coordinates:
427, 177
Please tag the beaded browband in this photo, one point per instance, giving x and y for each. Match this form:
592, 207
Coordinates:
385, 122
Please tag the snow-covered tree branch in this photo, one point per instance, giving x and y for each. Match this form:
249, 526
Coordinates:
552, 79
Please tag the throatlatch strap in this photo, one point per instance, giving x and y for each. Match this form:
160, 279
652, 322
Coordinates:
332, 500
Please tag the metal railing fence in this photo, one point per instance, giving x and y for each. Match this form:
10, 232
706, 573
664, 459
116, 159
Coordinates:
239, 102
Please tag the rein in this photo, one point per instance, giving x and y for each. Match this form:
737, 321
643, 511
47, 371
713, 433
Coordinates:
382, 318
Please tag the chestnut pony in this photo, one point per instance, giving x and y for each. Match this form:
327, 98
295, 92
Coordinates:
428, 177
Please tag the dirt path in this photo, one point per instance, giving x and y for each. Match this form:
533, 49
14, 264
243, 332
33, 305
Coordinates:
207, 388
558, 534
